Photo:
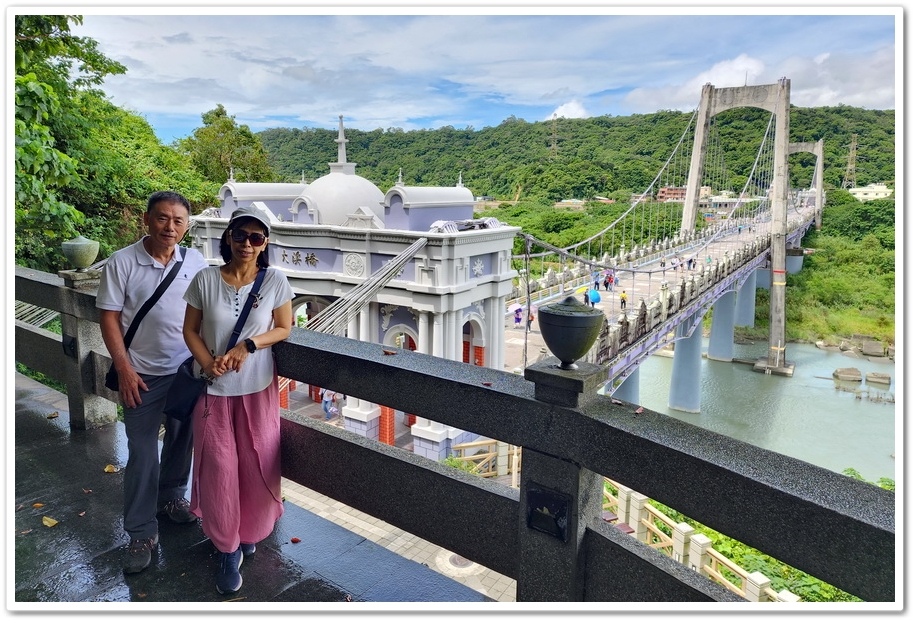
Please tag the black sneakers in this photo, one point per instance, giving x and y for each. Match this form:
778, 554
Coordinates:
178, 510
139, 554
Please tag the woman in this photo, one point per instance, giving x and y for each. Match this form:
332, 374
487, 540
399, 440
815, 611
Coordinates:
236, 483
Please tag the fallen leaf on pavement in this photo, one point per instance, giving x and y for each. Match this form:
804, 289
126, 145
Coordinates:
639, 410
488, 383
295, 539
616, 402
26, 531
87, 490
81, 514
37, 505
49, 522
388, 352
51, 416
110, 469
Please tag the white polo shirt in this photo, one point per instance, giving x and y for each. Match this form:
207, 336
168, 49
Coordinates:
129, 278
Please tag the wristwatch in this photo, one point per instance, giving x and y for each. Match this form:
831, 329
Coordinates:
249, 344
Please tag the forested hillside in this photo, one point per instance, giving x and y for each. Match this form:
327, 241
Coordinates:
580, 158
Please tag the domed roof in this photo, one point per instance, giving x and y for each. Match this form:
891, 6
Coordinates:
342, 192
339, 194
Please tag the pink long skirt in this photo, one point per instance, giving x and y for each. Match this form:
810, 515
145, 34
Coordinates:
236, 480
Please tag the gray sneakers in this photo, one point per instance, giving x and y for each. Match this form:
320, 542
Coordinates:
139, 554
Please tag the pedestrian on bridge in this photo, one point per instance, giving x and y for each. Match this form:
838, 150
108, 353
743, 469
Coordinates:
623, 299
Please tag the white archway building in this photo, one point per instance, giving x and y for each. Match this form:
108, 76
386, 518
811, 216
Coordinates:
329, 236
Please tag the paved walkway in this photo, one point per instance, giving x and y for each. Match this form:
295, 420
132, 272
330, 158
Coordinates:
67, 540
485, 581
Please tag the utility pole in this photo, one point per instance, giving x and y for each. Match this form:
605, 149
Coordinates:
553, 143
849, 180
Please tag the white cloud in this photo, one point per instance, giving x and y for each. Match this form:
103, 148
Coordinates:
413, 71
569, 110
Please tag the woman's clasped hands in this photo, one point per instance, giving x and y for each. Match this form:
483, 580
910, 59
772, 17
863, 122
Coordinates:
232, 360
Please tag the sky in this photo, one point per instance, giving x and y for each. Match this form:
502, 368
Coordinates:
415, 67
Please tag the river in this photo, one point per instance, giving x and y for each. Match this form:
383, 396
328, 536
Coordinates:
805, 416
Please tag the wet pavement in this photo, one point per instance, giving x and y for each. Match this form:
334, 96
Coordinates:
61, 475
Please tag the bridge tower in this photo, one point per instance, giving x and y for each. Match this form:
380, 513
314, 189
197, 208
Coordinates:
816, 148
774, 98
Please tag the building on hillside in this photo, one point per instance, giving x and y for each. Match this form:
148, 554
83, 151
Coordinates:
672, 193
337, 232
872, 191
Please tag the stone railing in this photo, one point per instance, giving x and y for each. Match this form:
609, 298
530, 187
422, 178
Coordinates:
548, 535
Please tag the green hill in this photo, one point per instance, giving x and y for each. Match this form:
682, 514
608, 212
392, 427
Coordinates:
579, 158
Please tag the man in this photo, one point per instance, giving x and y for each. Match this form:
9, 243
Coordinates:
327, 402
152, 484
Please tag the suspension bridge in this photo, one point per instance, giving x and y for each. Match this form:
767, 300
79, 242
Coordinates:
692, 241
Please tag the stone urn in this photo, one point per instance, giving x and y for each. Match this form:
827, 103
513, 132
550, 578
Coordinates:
80, 252
569, 329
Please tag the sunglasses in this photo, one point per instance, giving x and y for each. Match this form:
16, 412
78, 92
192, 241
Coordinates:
240, 235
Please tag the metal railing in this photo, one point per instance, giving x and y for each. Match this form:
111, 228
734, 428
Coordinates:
548, 535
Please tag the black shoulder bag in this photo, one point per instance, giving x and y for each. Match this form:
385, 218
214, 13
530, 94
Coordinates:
187, 388
111, 377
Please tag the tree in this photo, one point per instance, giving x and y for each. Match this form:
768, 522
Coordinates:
221, 149
51, 66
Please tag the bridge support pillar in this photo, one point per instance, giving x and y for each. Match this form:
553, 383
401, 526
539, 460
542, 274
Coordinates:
628, 390
722, 334
684, 394
747, 299
795, 257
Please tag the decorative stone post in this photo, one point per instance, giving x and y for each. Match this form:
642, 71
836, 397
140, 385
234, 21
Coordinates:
663, 295
80, 335
680, 536
558, 498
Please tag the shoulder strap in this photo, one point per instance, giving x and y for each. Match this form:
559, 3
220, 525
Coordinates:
252, 297
148, 305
